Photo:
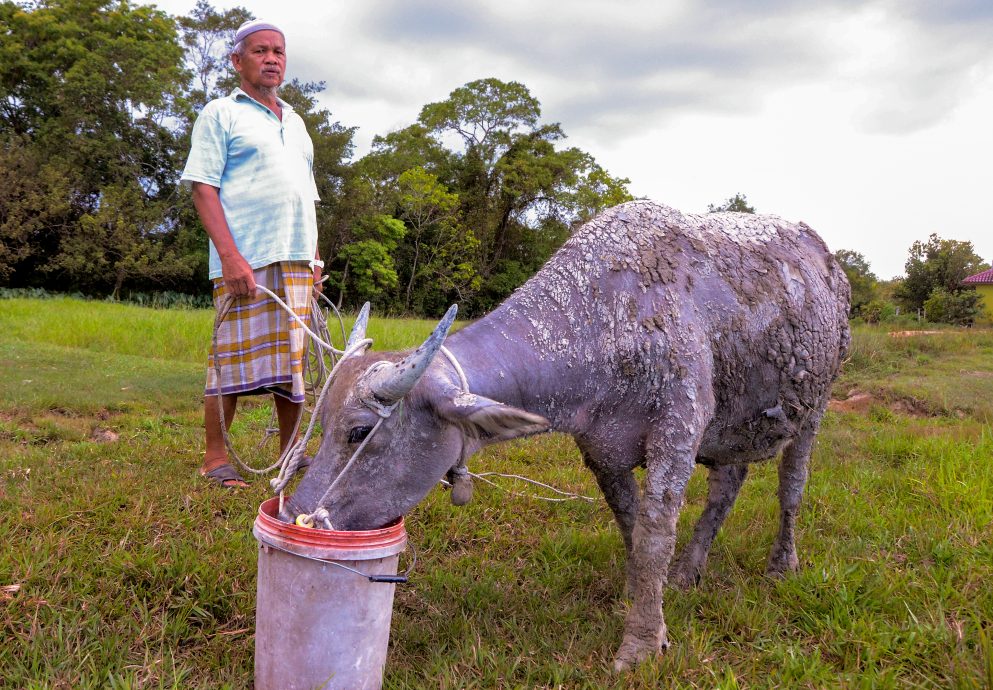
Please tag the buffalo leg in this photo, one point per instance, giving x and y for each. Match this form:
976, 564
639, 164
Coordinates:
792, 479
723, 484
670, 459
619, 488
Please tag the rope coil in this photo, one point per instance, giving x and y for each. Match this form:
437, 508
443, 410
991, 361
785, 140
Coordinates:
290, 459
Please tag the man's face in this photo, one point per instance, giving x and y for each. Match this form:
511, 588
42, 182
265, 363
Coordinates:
263, 62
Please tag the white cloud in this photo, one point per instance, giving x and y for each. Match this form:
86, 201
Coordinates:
867, 119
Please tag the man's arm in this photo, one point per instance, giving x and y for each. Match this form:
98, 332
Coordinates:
238, 275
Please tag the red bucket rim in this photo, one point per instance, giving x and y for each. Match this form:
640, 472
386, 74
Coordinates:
391, 534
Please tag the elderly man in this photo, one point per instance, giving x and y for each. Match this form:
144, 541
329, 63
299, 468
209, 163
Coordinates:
251, 172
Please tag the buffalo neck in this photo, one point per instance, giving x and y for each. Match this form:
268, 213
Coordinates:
502, 360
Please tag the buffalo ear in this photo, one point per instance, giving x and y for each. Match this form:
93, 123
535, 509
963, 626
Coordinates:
489, 420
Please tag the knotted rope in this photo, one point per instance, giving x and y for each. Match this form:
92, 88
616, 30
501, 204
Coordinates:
291, 457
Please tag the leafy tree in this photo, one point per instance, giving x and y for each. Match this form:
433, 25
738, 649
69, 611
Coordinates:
736, 204
442, 249
97, 100
860, 277
596, 190
937, 263
92, 81
121, 239
208, 36
959, 308
368, 260
89, 88
877, 311
518, 191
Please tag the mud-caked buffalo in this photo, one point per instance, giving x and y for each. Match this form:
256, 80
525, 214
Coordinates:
656, 339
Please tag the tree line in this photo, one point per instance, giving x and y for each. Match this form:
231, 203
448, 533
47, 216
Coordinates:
97, 100
932, 286
931, 289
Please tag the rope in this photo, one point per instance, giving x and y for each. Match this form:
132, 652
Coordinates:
567, 495
292, 459
289, 460
460, 468
320, 512
458, 368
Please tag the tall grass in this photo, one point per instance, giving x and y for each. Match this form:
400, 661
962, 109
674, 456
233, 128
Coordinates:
124, 570
175, 334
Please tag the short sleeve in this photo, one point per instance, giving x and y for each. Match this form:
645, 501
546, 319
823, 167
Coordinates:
208, 150
313, 186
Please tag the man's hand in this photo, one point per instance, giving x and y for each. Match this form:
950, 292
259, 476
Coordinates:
317, 266
239, 278
318, 278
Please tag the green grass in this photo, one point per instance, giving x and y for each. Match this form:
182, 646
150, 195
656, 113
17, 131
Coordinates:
944, 374
131, 573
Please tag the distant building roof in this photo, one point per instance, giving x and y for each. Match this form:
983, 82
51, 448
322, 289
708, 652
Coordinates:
984, 278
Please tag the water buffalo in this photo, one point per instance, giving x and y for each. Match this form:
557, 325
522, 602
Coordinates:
656, 339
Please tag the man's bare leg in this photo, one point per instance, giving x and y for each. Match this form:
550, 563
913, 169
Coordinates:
286, 415
216, 453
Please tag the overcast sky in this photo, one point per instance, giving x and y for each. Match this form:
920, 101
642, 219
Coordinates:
871, 121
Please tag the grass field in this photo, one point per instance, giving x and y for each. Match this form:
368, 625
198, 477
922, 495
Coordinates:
121, 569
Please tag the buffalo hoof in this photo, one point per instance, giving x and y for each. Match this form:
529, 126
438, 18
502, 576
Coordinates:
634, 650
684, 577
461, 490
782, 563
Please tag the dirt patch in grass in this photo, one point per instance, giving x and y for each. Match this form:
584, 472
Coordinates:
54, 425
908, 334
861, 402
101, 435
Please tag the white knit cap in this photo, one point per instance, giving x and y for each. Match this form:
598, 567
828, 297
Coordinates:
250, 27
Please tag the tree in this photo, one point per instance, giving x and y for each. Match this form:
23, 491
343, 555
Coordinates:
208, 36
937, 263
958, 308
519, 192
120, 241
862, 280
736, 204
368, 260
35, 201
442, 249
88, 92
876, 311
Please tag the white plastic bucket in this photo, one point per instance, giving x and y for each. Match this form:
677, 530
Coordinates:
317, 624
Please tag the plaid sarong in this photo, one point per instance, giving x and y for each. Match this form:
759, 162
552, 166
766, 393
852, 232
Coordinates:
259, 346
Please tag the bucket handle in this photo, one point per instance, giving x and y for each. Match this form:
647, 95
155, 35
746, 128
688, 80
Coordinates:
393, 579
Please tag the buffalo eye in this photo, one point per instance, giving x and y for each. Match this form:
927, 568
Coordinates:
358, 433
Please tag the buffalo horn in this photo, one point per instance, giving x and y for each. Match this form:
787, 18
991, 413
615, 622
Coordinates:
391, 383
358, 329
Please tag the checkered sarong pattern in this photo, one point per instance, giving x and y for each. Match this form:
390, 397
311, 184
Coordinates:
259, 346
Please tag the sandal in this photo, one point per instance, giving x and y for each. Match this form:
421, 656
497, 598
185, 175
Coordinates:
222, 474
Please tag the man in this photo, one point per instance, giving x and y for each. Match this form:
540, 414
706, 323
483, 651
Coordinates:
251, 172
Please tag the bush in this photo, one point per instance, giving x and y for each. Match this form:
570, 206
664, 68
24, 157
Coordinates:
157, 300
959, 308
876, 311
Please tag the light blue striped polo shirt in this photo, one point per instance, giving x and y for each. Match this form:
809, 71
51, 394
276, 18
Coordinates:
264, 168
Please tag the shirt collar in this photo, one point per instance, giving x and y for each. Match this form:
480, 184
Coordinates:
238, 93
